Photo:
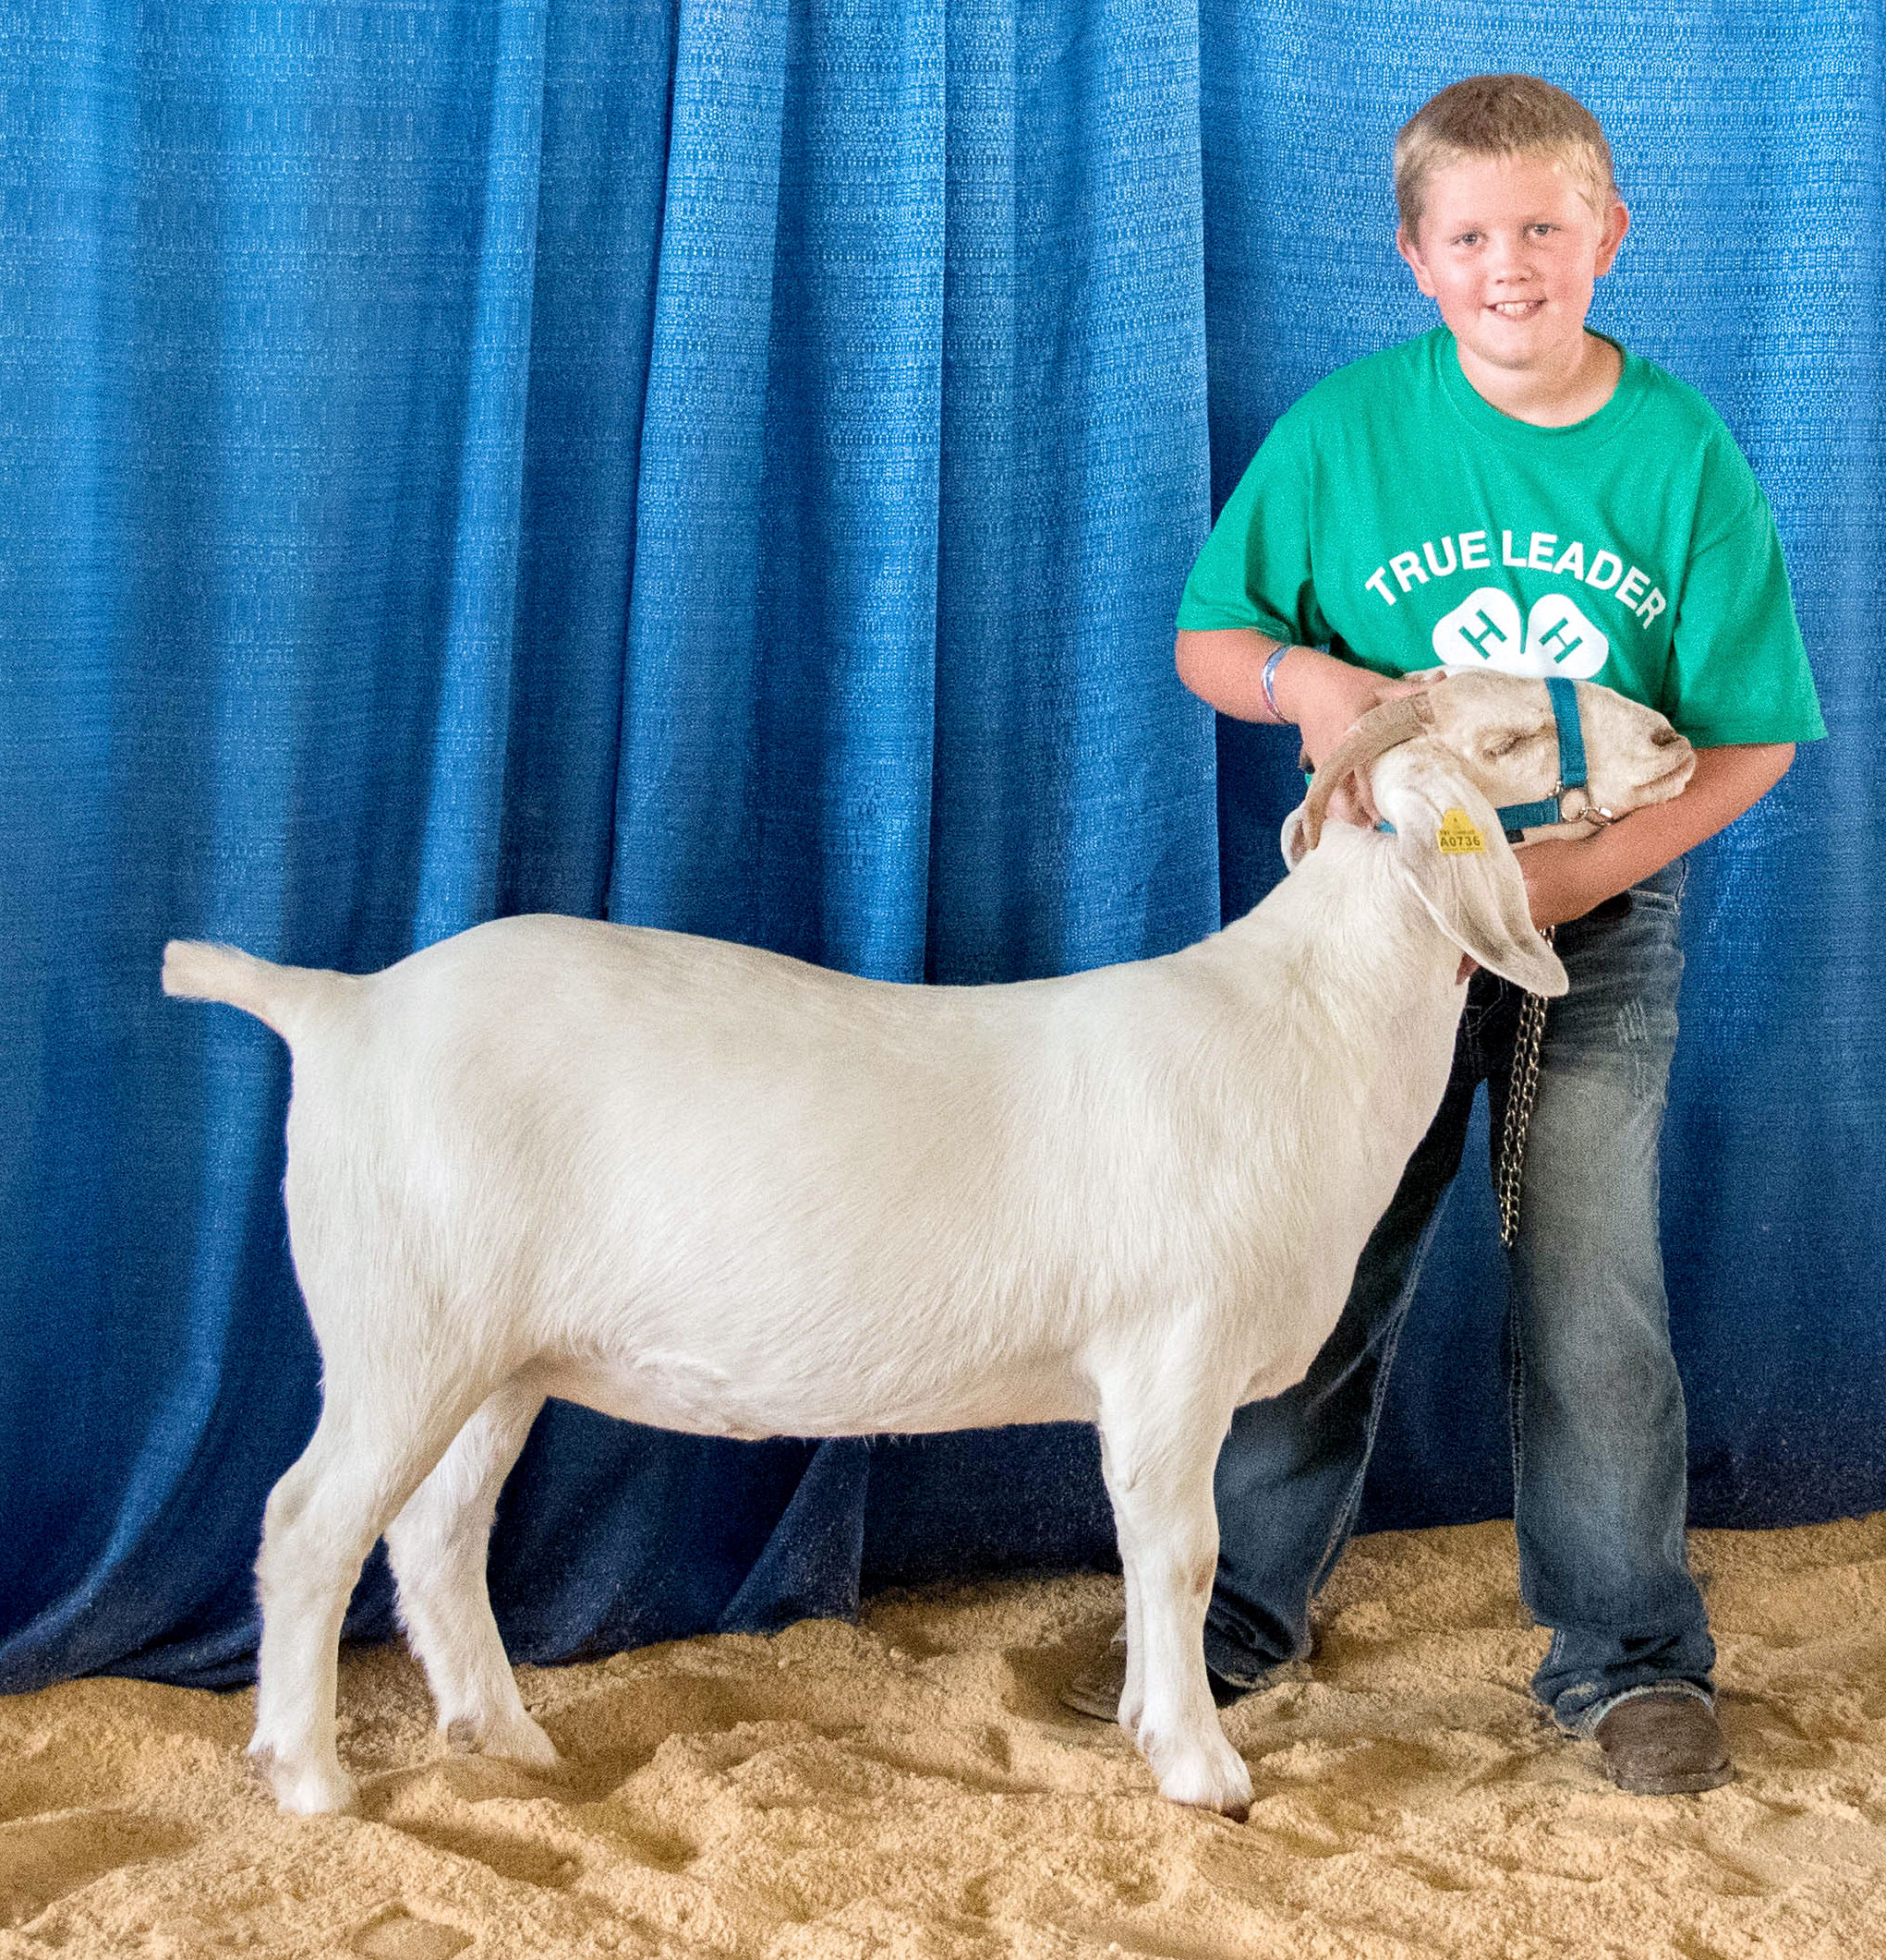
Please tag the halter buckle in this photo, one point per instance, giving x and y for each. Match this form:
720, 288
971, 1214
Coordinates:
1584, 811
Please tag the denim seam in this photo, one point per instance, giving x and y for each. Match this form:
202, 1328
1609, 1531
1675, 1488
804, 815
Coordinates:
1515, 1389
1588, 1720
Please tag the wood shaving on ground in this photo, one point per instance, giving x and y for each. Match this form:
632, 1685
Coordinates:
911, 1786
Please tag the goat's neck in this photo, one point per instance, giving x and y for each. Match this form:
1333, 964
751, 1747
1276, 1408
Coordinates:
1351, 1004
1353, 932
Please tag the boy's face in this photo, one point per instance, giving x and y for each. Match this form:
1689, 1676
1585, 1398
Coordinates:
1510, 250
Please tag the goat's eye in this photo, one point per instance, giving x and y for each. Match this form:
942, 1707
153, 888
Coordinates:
1505, 748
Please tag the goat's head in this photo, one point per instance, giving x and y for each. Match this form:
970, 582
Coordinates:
1442, 762
1502, 727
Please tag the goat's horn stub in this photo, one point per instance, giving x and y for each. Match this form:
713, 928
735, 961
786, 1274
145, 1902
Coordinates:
1385, 727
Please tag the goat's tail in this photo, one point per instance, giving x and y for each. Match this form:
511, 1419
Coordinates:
280, 996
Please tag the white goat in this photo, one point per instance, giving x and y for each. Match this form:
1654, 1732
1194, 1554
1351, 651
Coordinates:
711, 1189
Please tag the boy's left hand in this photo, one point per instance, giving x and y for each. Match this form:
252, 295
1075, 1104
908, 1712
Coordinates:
1562, 881
1566, 876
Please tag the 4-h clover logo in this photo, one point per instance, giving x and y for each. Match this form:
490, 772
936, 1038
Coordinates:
1483, 631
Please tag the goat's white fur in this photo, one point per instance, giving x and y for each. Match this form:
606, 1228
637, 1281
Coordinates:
709, 1188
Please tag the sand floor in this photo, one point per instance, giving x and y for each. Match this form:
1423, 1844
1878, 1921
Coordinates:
909, 1786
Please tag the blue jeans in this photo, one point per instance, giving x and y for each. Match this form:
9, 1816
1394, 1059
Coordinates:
1599, 1463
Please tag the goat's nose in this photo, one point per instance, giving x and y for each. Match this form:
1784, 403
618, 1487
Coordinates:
1664, 737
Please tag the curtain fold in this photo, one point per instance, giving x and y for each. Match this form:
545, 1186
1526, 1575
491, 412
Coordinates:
730, 465
461, 824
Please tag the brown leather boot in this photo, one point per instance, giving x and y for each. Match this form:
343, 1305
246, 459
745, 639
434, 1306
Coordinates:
1097, 1691
1664, 1745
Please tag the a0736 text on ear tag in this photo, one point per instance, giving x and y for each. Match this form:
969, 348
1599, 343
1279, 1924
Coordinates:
1460, 834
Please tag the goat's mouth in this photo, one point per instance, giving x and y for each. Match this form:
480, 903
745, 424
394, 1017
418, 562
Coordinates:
1672, 782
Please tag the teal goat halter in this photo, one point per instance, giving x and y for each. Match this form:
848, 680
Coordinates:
1574, 775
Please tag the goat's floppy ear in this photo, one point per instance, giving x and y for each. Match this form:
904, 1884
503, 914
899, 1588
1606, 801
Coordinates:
1449, 843
1293, 841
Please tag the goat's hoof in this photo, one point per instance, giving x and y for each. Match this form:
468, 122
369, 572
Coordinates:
1208, 1777
515, 1738
303, 1789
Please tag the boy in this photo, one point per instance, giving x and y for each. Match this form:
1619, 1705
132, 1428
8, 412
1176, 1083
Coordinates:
1513, 490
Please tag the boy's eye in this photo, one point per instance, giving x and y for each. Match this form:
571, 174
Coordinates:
1468, 238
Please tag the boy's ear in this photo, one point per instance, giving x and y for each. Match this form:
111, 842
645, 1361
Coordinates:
1616, 223
1449, 843
1410, 247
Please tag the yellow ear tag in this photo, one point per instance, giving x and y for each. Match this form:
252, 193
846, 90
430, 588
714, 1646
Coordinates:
1460, 834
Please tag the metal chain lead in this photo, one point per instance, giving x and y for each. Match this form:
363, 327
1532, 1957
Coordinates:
1522, 1089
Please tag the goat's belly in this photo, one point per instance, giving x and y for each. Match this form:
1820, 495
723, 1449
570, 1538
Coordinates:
701, 1396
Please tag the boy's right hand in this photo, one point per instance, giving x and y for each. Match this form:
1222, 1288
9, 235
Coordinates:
1325, 698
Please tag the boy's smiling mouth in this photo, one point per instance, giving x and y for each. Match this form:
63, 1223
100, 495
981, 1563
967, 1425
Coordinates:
1515, 308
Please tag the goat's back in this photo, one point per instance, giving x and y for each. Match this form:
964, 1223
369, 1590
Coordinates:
632, 1138
856, 1205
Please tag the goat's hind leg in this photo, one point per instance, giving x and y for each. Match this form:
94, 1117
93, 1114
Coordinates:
438, 1546
320, 1524
1158, 1449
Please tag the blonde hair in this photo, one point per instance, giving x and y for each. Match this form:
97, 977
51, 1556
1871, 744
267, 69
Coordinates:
1501, 116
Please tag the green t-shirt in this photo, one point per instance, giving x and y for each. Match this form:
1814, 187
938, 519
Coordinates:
1397, 518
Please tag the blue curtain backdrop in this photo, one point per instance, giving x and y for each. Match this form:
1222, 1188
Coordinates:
732, 467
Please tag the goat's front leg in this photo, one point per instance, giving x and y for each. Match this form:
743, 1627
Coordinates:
1158, 1448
